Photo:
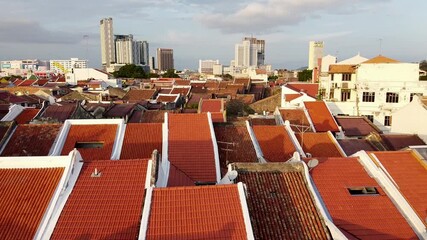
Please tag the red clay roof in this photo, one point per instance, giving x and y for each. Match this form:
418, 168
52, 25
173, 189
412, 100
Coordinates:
234, 145
310, 89
322, 119
351, 146
208, 212
191, 147
136, 95
246, 98
184, 91
410, 175
218, 117
263, 121
342, 68
281, 205
180, 82
212, 105
25, 196
245, 81
105, 207
153, 116
399, 141
27, 115
290, 97
120, 110
166, 98
356, 126
141, 139
381, 59
318, 144
105, 133
275, 143
370, 216
59, 112
32, 140
296, 118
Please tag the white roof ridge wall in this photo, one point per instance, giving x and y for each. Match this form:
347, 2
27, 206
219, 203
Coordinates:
118, 141
255, 143
143, 228
215, 148
245, 211
14, 112
163, 174
294, 139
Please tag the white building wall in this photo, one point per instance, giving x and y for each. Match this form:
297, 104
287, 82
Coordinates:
411, 119
388, 72
315, 52
107, 42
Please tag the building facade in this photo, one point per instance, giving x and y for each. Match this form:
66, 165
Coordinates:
206, 66
143, 48
64, 66
246, 54
165, 59
315, 52
108, 52
127, 50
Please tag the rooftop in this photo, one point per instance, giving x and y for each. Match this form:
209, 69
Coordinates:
60, 112
275, 143
321, 117
310, 89
342, 68
318, 144
297, 119
141, 139
27, 115
400, 141
381, 59
153, 116
136, 95
356, 126
351, 146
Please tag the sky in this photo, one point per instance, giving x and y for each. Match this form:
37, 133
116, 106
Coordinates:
202, 29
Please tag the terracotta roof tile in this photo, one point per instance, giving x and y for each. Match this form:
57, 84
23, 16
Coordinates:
263, 121
297, 119
212, 105
141, 139
135, 117
275, 143
209, 212
25, 196
351, 146
191, 147
246, 98
234, 145
218, 117
26, 115
184, 91
105, 207
195, 98
103, 133
59, 112
410, 175
321, 117
245, 81
22, 142
342, 68
120, 110
167, 98
280, 203
153, 116
399, 141
381, 59
136, 95
370, 216
179, 82
356, 126
212, 84
310, 89
26, 83
290, 97
318, 144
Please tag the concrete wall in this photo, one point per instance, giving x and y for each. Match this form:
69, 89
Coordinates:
411, 119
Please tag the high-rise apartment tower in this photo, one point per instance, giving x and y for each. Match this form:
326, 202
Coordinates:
107, 42
165, 59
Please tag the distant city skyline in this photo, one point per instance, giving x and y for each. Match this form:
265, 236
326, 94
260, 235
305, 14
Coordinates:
206, 30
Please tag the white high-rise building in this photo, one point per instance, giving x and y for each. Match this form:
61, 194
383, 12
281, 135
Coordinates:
64, 66
246, 54
315, 52
127, 50
107, 42
206, 66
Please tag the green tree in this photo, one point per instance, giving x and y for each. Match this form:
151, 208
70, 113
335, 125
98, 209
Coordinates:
237, 107
170, 73
423, 65
305, 75
130, 71
272, 78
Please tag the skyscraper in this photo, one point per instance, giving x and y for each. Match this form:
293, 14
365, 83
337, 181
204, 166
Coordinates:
144, 52
249, 53
315, 51
165, 59
107, 42
127, 50
260, 49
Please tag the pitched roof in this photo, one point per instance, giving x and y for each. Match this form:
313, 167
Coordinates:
60, 112
211, 105
75, 95
297, 119
184, 91
356, 126
310, 88
381, 59
321, 117
182, 82
105, 207
99, 133
27, 115
141, 139
399, 141
318, 144
290, 97
245, 81
120, 110
342, 68
246, 98
32, 140
26, 194
409, 173
262, 121
275, 143
7, 97
218, 117
190, 147
351, 146
280, 204
234, 145
360, 216
153, 116
135, 95
167, 98
208, 212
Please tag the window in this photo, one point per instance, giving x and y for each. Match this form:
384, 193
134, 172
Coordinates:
392, 97
89, 145
370, 117
332, 77
363, 191
331, 94
322, 93
413, 94
345, 94
387, 121
346, 76
368, 97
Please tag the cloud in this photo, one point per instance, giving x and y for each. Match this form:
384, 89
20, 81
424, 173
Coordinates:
32, 32
265, 16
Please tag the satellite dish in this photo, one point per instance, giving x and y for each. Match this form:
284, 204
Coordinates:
313, 163
232, 175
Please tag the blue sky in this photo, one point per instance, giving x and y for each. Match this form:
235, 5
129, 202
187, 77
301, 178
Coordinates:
201, 29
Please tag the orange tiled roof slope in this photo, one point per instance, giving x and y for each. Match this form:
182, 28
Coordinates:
153, 116
32, 140
275, 143
234, 145
103, 133
105, 207
136, 95
26, 115
296, 118
279, 202
212, 105
263, 121
397, 142
208, 212
25, 196
318, 144
59, 112
381, 59
310, 88
410, 175
190, 147
342, 68
356, 126
321, 117
369, 216
141, 139
351, 146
